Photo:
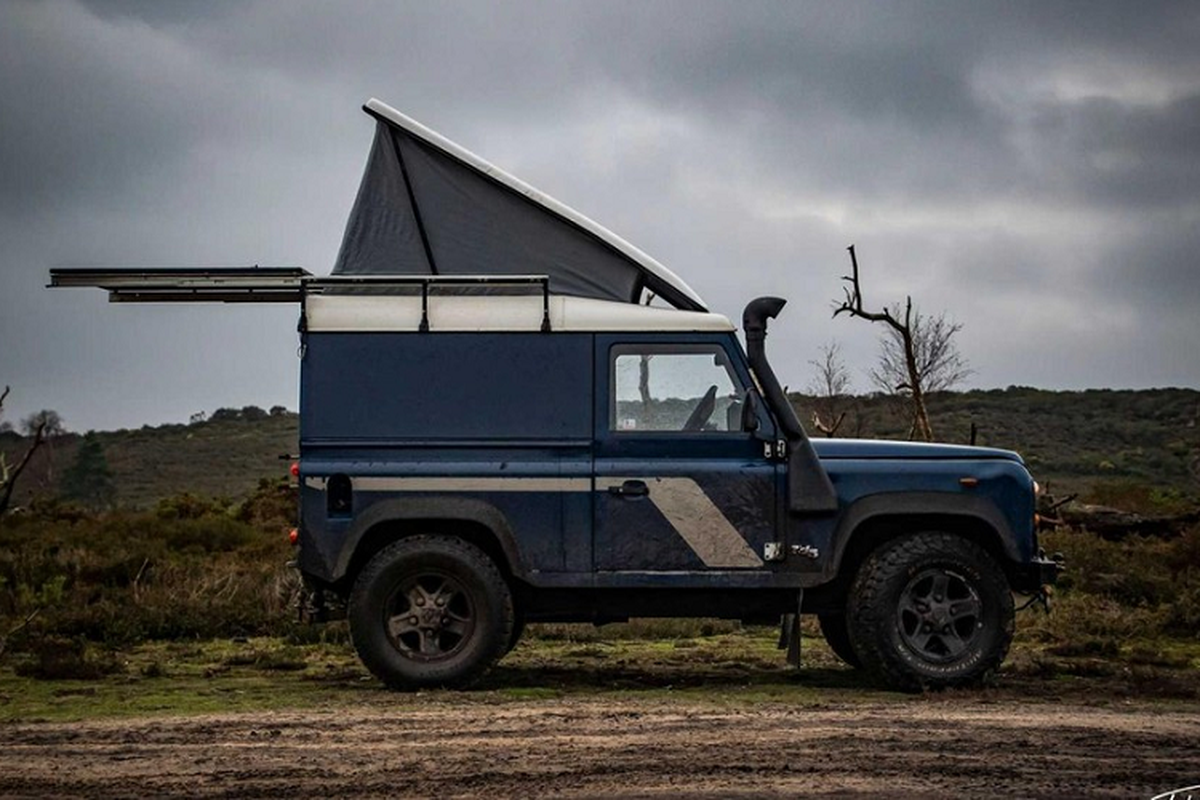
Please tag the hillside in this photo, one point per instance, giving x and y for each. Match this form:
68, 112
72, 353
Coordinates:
1071, 439
221, 457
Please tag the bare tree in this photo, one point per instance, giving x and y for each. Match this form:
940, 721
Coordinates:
918, 354
830, 386
10, 473
939, 364
50, 421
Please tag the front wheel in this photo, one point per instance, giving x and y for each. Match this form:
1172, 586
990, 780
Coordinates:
930, 610
430, 611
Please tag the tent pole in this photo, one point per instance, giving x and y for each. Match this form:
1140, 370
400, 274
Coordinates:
412, 201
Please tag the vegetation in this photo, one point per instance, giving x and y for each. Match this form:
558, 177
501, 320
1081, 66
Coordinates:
917, 357
224, 454
89, 481
72, 580
182, 599
1074, 440
191, 607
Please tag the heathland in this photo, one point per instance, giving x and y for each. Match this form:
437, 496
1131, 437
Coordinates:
174, 594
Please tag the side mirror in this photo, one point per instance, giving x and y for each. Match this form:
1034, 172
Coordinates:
750, 411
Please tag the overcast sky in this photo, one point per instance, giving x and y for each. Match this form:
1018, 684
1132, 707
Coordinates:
1031, 168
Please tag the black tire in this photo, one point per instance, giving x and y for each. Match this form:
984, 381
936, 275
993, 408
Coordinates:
430, 611
837, 636
930, 610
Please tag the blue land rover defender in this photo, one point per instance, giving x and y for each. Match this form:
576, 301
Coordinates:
509, 414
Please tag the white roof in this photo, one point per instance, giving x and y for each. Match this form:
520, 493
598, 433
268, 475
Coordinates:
415, 128
500, 313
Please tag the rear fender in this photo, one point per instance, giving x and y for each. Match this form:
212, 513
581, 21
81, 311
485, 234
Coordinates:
442, 509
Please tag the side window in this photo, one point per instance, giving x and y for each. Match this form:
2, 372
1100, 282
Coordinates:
685, 388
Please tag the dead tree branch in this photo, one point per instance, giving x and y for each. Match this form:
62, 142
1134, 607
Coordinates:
853, 305
10, 474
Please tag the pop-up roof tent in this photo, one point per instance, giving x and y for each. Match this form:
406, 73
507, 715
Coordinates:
429, 207
427, 211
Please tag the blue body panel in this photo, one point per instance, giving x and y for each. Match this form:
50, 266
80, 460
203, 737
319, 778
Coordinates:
514, 432
874, 448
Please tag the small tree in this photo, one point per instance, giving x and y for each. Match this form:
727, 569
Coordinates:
89, 480
9, 473
253, 413
918, 354
830, 386
50, 421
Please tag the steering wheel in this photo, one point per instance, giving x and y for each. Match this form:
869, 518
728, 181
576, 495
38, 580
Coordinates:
702, 411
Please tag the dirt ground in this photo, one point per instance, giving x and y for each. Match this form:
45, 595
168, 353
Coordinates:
583, 748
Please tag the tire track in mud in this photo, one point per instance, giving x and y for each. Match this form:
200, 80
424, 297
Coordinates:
581, 748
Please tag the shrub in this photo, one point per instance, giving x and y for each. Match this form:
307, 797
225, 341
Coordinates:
56, 659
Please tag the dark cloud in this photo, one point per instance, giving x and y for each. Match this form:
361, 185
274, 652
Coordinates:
1031, 166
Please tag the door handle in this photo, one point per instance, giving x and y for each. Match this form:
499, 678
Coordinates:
630, 489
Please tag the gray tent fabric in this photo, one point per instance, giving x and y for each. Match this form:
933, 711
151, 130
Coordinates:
416, 199
382, 237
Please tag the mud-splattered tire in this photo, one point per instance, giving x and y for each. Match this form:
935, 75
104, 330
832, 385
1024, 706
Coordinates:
930, 610
430, 611
837, 636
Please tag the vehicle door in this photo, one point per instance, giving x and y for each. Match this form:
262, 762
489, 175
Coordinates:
681, 484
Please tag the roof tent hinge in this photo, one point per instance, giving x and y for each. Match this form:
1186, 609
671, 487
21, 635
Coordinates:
302, 322
424, 326
546, 304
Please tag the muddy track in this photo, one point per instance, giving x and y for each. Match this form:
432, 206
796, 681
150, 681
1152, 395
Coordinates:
580, 748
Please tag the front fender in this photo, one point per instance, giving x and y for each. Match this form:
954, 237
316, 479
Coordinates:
981, 510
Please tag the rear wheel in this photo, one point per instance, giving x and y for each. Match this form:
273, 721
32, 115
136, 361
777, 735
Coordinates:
430, 611
930, 610
837, 636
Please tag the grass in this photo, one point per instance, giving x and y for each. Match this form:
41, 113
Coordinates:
222, 676
740, 666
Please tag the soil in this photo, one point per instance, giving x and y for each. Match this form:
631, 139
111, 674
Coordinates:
568, 747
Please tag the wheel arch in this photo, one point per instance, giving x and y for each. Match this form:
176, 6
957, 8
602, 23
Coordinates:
469, 519
874, 520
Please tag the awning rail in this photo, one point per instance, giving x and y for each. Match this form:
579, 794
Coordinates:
276, 285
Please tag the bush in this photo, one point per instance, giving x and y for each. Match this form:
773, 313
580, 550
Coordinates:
58, 659
1114, 593
191, 569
